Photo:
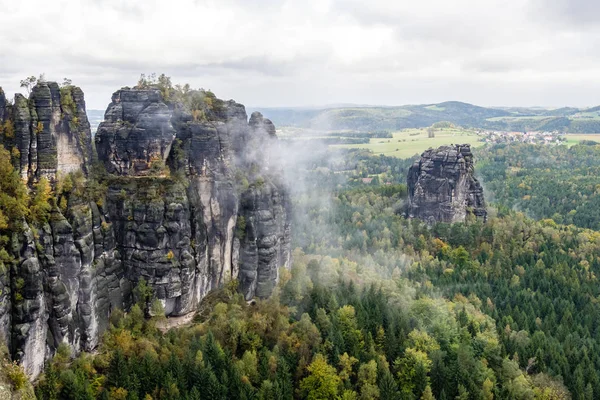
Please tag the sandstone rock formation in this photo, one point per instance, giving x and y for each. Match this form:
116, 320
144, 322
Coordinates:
442, 186
50, 130
190, 203
136, 131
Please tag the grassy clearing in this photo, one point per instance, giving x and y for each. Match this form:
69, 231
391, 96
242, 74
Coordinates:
573, 139
435, 108
408, 142
594, 115
520, 118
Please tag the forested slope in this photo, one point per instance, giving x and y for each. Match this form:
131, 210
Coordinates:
545, 181
377, 306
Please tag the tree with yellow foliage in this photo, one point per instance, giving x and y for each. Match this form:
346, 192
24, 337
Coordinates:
40, 203
322, 383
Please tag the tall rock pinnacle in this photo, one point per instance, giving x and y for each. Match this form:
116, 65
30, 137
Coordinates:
442, 186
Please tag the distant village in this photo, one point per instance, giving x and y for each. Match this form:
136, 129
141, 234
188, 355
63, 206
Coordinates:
523, 137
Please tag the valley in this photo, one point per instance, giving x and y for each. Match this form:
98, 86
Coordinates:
232, 259
299, 200
373, 118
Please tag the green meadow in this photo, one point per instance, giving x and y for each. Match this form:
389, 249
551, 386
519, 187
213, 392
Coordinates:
408, 142
573, 139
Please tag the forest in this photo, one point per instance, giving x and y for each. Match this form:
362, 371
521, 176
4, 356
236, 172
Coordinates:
545, 182
376, 306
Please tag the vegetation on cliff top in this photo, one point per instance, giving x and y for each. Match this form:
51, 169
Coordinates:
201, 103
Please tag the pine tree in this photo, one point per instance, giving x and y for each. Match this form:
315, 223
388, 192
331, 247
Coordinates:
194, 394
388, 388
48, 387
462, 393
284, 387
118, 370
211, 387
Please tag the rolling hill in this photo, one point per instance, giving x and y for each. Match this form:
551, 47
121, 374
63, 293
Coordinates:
367, 118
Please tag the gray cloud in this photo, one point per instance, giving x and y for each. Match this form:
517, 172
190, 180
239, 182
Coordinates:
311, 52
494, 66
578, 14
130, 9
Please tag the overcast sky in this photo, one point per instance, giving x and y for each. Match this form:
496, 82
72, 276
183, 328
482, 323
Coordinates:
314, 52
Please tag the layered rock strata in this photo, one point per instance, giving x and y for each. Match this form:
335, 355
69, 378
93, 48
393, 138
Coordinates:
191, 201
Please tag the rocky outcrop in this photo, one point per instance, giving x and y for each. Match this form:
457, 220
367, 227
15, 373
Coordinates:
48, 136
49, 132
265, 241
30, 325
442, 186
192, 200
136, 132
2, 104
180, 238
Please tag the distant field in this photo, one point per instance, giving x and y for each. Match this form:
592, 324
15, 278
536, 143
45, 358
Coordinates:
403, 145
594, 115
435, 108
520, 118
573, 139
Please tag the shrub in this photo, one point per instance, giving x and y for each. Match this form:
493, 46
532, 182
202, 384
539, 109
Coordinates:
40, 204
67, 104
38, 128
8, 129
240, 229
16, 375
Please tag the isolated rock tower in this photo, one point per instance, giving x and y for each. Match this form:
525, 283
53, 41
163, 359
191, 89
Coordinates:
442, 186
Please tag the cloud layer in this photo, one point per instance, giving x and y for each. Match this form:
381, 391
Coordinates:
314, 52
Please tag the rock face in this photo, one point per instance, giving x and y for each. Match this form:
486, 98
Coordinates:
192, 200
49, 131
442, 186
136, 132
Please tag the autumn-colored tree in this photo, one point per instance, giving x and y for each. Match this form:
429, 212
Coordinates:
488, 387
367, 380
322, 382
412, 369
13, 194
40, 206
427, 394
346, 365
